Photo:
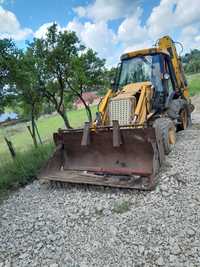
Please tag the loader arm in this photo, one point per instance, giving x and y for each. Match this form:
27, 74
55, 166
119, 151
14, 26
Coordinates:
140, 113
102, 107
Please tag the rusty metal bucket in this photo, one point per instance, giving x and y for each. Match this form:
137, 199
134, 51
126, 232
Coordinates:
111, 156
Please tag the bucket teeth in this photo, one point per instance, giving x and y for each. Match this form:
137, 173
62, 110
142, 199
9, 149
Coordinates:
86, 135
117, 139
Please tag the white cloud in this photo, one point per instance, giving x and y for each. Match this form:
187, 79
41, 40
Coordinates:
10, 26
176, 18
190, 37
42, 31
131, 31
104, 10
172, 14
80, 11
161, 20
75, 26
187, 12
96, 36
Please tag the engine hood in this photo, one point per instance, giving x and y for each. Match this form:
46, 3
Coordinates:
131, 89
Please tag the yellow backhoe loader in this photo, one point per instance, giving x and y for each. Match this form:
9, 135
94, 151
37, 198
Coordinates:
135, 125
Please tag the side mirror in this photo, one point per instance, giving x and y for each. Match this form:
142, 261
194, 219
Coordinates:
166, 76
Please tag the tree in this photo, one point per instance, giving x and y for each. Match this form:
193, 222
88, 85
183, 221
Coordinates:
87, 74
27, 89
8, 66
192, 61
18, 81
66, 69
54, 56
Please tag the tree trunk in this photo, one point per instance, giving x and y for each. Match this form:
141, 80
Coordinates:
38, 134
65, 119
10, 147
89, 113
33, 126
87, 107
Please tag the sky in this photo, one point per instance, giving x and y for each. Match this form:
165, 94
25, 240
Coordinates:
110, 27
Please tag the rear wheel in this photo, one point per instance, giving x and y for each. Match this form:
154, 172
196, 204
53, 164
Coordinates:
168, 131
179, 110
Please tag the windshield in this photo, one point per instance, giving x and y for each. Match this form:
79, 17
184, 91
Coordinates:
141, 69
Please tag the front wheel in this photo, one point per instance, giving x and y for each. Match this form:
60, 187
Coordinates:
183, 118
168, 132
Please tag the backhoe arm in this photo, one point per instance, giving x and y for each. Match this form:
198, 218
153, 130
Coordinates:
167, 43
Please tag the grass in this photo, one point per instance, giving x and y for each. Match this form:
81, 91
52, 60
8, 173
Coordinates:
21, 138
194, 83
24, 168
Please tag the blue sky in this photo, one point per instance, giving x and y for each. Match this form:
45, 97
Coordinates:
108, 26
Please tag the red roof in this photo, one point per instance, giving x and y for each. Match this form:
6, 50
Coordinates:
88, 97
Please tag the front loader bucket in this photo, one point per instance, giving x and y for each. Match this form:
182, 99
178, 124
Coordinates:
111, 156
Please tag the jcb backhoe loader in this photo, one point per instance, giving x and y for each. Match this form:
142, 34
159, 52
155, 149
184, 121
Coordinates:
135, 125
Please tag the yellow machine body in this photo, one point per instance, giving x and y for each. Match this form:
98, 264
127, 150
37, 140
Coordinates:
124, 146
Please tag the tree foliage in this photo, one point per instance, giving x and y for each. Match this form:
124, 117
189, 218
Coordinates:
87, 74
192, 61
54, 70
27, 89
8, 67
54, 56
66, 69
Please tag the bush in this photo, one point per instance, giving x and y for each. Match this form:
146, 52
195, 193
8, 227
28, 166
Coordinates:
122, 207
24, 168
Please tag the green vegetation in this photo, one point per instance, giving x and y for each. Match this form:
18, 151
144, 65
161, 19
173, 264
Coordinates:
122, 207
24, 168
21, 138
191, 61
194, 84
29, 159
48, 76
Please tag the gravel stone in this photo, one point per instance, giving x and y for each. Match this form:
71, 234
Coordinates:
54, 265
190, 232
175, 249
76, 225
160, 261
7, 264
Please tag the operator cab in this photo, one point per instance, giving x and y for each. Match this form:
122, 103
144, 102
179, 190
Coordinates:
152, 67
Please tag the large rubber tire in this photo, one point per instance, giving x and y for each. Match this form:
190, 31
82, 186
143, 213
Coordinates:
183, 120
178, 109
168, 131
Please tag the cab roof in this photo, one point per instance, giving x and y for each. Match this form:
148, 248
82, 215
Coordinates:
144, 52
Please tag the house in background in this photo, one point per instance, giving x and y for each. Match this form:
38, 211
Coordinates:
91, 98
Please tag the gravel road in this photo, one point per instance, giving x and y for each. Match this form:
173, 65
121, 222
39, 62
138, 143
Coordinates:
95, 226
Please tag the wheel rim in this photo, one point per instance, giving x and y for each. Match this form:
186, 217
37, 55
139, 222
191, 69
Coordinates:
171, 136
184, 118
